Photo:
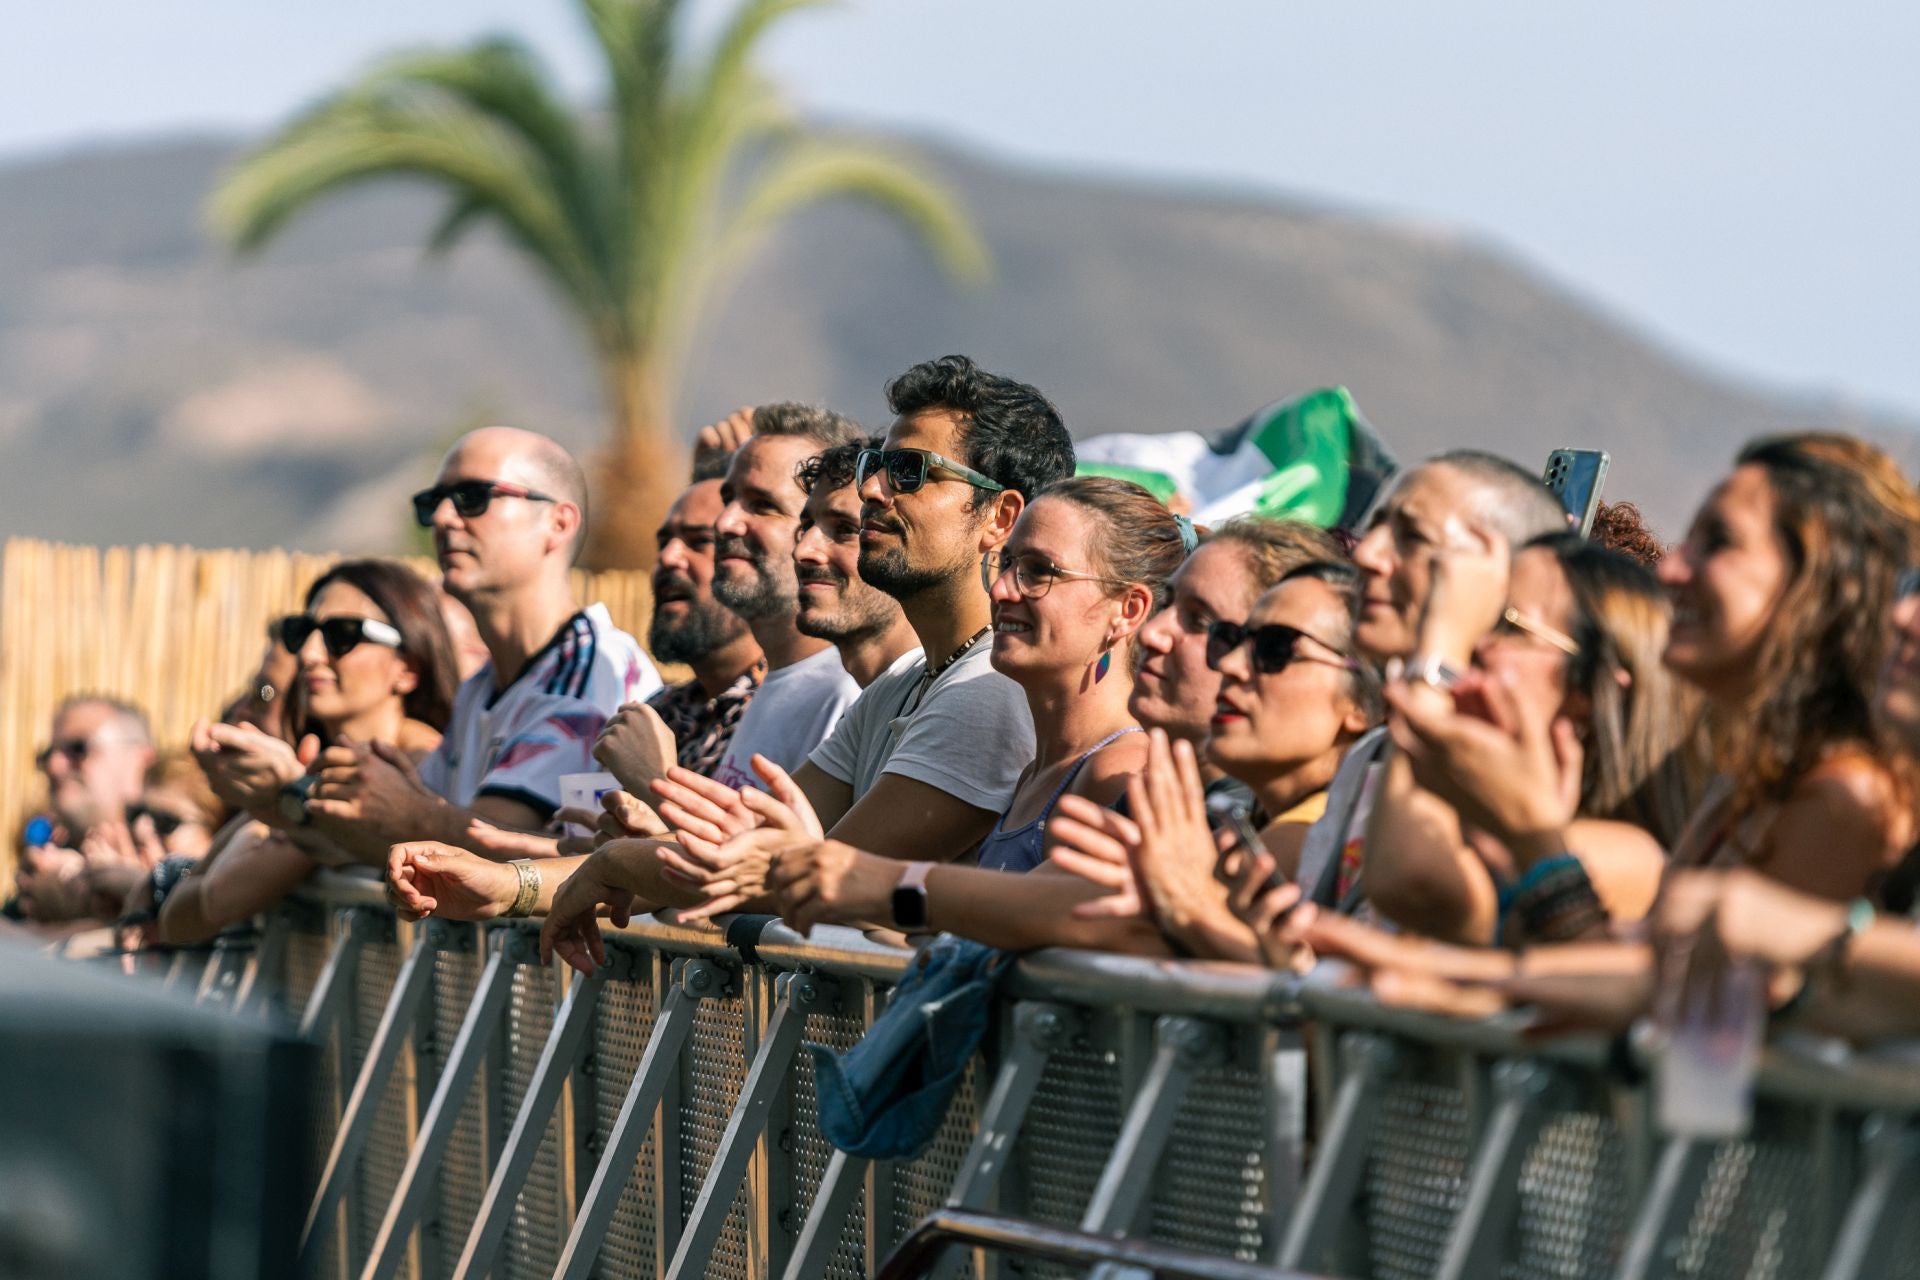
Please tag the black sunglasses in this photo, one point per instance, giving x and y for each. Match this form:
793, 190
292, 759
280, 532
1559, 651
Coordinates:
1275, 646
164, 823
470, 498
908, 469
340, 635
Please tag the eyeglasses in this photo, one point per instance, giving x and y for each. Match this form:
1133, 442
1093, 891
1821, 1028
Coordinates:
340, 635
164, 823
1275, 647
908, 469
1032, 576
471, 498
1515, 623
72, 750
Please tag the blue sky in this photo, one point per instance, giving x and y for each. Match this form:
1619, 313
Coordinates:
1740, 179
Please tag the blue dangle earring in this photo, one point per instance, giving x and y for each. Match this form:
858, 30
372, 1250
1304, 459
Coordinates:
1103, 666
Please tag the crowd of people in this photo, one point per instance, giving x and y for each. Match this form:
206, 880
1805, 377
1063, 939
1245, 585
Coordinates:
941, 684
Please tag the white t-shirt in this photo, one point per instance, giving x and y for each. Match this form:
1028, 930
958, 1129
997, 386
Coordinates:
516, 742
794, 710
969, 733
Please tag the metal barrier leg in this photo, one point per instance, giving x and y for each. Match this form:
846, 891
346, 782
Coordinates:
833, 1200
330, 991
1476, 1242
1181, 1046
672, 1026
479, 1029
1039, 1029
266, 970
1669, 1203
800, 993
1313, 1232
1861, 1248
563, 1047
356, 1122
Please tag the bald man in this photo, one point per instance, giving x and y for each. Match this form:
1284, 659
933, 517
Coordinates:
508, 511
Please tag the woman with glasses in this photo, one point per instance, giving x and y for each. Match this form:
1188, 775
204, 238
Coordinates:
375, 666
1467, 840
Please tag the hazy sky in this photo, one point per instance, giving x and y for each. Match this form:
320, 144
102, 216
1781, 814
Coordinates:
1742, 179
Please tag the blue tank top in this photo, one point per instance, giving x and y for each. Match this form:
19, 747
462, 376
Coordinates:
1023, 848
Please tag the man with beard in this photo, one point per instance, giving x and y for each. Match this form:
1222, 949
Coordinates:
507, 512
861, 630
690, 626
805, 688
926, 760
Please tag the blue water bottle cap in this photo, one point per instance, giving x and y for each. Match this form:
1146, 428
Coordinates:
39, 830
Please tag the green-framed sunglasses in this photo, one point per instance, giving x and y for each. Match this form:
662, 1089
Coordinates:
908, 469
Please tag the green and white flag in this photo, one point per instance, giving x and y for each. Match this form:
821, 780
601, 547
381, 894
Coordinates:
1314, 459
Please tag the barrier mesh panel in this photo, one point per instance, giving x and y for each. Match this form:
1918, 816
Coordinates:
626, 1014
1213, 1181
1750, 1222
463, 1168
1899, 1257
715, 1068
809, 1151
922, 1185
1573, 1211
385, 1153
1069, 1133
540, 1216
306, 957
1415, 1177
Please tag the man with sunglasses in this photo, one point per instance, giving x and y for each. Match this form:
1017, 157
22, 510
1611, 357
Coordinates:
95, 763
507, 511
927, 758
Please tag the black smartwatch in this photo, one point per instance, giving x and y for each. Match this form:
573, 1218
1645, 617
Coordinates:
292, 801
910, 897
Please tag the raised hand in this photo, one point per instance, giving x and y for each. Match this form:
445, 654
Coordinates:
636, 747
245, 766
783, 804
368, 794
1101, 847
699, 806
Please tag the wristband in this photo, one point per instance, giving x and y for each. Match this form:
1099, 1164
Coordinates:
529, 891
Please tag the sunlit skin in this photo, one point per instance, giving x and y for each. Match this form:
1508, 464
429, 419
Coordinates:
755, 529
1896, 704
1173, 687
1725, 582
1069, 624
108, 778
926, 537
1538, 591
1266, 726
502, 547
835, 603
683, 572
1395, 558
357, 694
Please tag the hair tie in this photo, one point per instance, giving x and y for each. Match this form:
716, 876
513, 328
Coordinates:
1189, 540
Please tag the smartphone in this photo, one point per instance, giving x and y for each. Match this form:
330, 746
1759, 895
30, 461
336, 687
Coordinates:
1576, 477
1250, 841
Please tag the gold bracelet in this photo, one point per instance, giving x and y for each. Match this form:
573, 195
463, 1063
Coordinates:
529, 891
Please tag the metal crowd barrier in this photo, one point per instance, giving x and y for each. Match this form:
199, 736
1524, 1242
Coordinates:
484, 1115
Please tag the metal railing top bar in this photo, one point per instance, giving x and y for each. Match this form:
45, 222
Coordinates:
1232, 992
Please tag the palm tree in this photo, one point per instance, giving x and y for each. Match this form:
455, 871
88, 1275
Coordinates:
633, 216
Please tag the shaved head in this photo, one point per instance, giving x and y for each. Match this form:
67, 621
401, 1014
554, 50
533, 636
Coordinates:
525, 458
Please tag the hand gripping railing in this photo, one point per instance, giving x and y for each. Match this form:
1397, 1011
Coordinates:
659, 1119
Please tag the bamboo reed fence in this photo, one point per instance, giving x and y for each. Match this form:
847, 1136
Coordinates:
173, 630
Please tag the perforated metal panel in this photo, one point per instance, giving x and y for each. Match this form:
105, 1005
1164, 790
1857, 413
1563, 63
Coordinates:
809, 1151
1213, 1188
1069, 1134
626, 1014
307, 951
463, 1169
391, 1136
923, 1184
1415, 1176
1573, 1211
538, 1228
1751, 1221
713, 1070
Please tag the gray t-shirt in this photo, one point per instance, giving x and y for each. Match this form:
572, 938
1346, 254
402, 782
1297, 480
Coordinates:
969, 733
792, 712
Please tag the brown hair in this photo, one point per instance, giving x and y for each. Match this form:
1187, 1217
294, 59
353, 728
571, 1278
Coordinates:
1275, 548
1142, 541
413, 606
1618, 526
179, 771
1643, 754
1848, 518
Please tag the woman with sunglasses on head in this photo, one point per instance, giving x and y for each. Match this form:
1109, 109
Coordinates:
1473, 836
375, 666
1291, 699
